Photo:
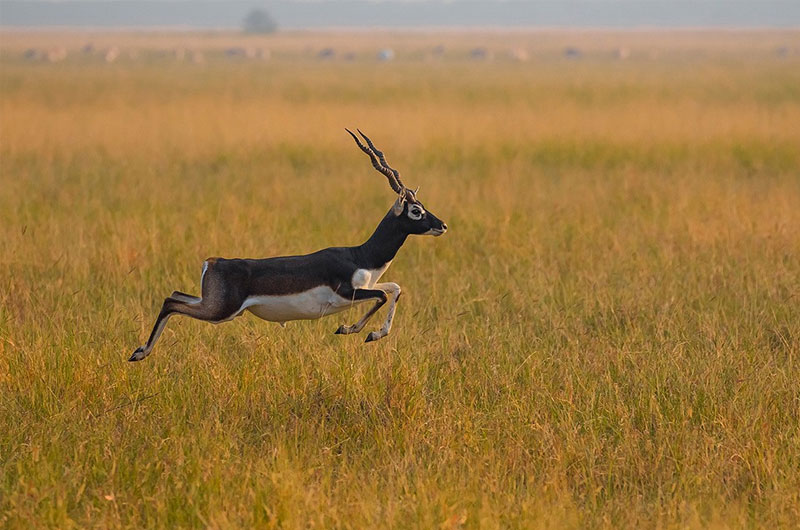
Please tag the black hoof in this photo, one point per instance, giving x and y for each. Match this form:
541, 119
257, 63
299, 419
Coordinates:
136, 355
372, 336
340, 331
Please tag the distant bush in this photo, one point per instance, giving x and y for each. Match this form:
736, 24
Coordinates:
259, 21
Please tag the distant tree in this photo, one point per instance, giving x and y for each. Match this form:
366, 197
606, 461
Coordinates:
259, 21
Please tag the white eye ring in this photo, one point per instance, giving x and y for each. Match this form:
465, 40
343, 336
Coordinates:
415, 213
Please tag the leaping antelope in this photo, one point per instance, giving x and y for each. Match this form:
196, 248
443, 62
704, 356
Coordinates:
311, 286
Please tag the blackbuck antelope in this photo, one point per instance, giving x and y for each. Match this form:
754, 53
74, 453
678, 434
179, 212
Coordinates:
311, 286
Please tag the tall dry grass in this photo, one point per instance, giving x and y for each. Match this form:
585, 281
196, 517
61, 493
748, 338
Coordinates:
608, 335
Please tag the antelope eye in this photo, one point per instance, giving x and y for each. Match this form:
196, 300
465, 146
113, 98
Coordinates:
415, 213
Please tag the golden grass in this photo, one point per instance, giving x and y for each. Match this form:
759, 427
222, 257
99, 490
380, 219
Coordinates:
608, 335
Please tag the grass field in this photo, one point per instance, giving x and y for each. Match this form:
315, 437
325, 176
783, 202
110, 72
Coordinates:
607, 336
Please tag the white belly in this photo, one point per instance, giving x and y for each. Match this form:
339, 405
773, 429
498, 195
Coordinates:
311, 304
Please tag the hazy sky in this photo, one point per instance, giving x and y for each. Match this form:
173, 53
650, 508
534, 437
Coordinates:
398, 13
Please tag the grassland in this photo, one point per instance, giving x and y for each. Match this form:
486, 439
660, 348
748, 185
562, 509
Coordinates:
608, 335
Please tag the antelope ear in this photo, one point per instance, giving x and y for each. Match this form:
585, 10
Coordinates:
397, 209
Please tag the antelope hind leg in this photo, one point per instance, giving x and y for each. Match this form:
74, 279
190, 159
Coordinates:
201, 309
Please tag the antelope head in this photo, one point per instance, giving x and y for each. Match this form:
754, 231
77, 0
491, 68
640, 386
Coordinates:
411, 214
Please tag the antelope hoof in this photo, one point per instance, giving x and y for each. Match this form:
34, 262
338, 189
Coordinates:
345, 330
373, 335
138, 354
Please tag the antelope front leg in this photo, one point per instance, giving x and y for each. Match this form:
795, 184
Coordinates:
364, 294
393, 290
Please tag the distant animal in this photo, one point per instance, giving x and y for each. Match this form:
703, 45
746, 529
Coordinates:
387, 54
481, 54
247, 53
328, 281
33, 54
519, 54
112, 54
57, 54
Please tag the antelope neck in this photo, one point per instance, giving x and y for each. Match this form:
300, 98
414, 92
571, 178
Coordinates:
383, 244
